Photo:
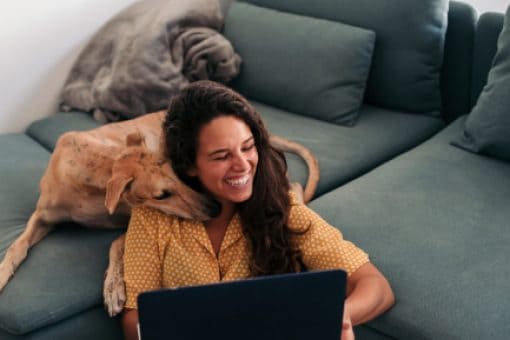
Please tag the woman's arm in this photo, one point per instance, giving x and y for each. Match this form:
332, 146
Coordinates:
323, 247
368, 294
142, 263
142, 266
129, 324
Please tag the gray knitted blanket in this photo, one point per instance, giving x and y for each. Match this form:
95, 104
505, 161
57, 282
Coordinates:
147, 53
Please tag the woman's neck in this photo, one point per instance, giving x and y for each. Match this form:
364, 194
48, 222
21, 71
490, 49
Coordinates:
217, 227
227, 212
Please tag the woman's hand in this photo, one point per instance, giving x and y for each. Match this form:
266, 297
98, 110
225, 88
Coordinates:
347, 331
129, 324
368, 294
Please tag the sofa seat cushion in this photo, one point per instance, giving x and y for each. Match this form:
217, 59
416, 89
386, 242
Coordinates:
343, 152
435, 220
22, 163
63, 274
91, 324
47, 130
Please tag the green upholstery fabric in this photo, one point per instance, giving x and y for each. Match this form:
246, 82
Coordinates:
22, 163
47, 130
408, 49
487, 129
458, 61
305, 65
91, 324
63, 274
488, 28
364, 332
345, 153
435, 221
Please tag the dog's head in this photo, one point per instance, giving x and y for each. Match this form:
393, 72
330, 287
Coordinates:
141, 177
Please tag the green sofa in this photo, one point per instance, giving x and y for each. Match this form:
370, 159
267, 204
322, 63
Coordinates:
432, 216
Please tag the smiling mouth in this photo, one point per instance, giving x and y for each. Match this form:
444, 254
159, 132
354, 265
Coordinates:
238, 181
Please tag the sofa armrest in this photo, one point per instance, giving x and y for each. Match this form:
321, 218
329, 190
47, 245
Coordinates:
47, 130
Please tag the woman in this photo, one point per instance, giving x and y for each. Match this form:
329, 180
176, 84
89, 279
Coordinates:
217, 143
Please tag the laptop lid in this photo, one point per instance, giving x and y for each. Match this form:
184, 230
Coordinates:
299, 306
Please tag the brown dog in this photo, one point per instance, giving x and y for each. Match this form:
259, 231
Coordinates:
95, 177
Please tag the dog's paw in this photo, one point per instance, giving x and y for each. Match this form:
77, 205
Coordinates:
5, 274
114, 293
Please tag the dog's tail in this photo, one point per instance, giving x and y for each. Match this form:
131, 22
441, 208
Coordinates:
310, 160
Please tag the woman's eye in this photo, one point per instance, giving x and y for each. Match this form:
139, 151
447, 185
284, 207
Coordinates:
220, 158
248, 148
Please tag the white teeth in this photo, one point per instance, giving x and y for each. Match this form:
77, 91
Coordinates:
240, 181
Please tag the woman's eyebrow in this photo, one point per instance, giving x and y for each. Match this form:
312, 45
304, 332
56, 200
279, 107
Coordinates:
248, 139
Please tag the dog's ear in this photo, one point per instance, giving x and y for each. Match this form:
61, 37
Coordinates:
115, 186
135, 139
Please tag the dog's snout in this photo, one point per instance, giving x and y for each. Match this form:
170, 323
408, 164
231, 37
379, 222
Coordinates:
214, 208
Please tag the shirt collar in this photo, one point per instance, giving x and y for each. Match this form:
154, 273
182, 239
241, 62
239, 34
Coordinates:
233, 233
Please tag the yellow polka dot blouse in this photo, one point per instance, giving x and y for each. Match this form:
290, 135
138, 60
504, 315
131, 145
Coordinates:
163, 251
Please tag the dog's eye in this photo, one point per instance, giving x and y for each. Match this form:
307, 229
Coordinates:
164, 194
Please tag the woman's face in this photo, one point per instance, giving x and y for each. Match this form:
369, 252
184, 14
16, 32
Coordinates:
226, 159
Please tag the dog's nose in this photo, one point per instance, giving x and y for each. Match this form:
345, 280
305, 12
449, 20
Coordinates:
214, 208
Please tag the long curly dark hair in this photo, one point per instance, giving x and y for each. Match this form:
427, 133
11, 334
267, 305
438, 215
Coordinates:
264, 215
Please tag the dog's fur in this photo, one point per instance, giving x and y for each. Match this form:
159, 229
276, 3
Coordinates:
95, 177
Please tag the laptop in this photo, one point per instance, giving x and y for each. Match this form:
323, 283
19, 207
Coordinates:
300, 306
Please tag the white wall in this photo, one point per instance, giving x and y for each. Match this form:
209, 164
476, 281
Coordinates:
39, 41
489, 5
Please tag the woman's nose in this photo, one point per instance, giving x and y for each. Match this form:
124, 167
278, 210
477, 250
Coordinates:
240, 162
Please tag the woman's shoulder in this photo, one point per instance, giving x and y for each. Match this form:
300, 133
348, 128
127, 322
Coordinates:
149, 212
300, 216
151, 216
294, 199
153, 222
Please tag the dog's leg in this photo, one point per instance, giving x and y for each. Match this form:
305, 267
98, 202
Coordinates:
36, 230
114, 291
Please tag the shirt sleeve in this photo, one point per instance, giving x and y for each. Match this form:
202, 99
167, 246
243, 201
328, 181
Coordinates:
142, 263
323, 246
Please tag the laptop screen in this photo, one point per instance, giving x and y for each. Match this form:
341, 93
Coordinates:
292, 306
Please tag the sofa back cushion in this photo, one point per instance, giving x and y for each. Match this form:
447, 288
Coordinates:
408, 49
487, 128
458, 61
488, 29
305, 65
